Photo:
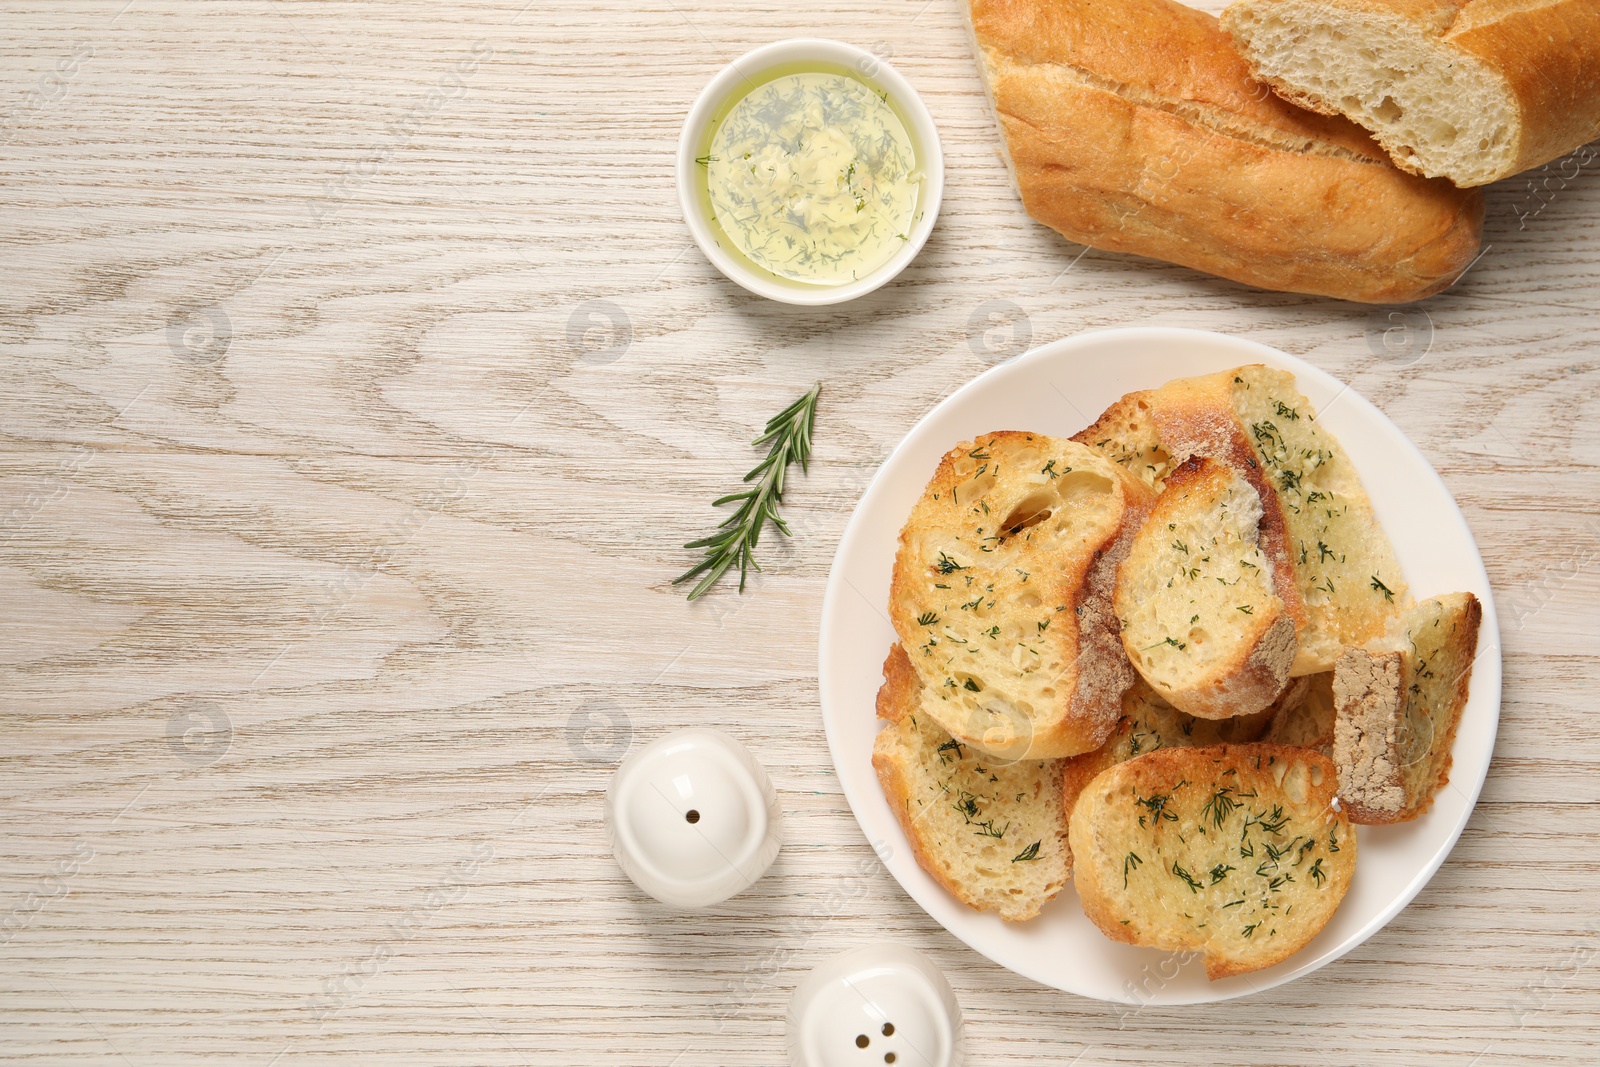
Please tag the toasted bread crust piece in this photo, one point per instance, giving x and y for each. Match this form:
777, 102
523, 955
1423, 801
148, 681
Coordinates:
1397, 711
1201, 620
993, 834
1002, 593
1369, 699
1235, 851
1136, 127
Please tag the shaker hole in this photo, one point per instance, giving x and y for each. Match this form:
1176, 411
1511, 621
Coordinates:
691, 816
862, 1041
888, 1057
888, 1029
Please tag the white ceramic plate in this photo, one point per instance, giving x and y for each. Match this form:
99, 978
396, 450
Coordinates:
1058, 389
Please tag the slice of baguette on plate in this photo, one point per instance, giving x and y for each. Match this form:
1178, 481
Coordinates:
993, 833
1201, 617
1397, 711
1235, 851
1470, 90
1002, 593
1318, 529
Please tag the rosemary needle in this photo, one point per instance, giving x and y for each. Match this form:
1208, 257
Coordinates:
789, 434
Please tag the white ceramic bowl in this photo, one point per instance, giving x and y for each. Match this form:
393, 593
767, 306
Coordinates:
736, 79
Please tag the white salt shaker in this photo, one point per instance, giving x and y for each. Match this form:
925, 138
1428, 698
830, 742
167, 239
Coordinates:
693, 818
879, 1004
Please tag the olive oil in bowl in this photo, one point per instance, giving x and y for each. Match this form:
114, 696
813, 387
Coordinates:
813, 177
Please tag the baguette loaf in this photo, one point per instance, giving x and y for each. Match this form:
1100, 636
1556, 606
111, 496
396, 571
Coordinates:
1201, 621
1135, 127
1002, 593
1333, 566
1235, 851
993, 834
1397, 711
1470, 90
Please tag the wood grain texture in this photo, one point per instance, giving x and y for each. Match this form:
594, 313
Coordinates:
359, 386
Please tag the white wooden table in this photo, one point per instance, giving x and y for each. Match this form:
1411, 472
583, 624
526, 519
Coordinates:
360, 386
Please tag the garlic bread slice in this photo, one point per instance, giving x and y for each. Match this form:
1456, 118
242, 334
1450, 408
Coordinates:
1201, 617
1234, 851
1002, 592
1397, 711
993, 833
1349, 580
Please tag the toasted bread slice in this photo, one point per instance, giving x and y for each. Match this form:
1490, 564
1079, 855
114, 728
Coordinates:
1002, 593
1349, 580
1201, 619
1234, 851
1333, 566
1397, 711
991, 832
1308, 722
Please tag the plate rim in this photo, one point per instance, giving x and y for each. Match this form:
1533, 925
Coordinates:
1489, 627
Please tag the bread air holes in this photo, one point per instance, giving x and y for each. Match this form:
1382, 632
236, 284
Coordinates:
971, 489
1388, 111
1439, 134
1030, 511
1295, 781
1082, 488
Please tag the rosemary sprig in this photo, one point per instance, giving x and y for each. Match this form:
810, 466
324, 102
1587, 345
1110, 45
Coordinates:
789, 434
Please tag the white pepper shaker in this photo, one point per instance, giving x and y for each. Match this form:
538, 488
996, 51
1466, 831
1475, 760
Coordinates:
693, 818
878, 1004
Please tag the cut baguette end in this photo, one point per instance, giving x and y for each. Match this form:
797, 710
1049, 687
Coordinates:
1438, 110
